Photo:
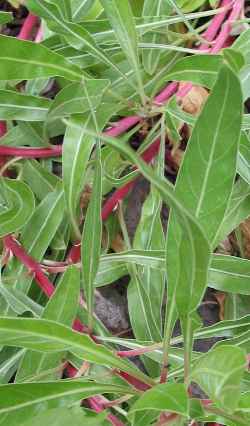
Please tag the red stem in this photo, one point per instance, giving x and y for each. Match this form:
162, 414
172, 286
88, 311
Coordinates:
3, 128
226, 28
133, 352
28, 26
137, 384
98, 405
215, 24
33, 267
54, 151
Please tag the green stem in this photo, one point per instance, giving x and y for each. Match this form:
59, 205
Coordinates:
187, 332
168, 329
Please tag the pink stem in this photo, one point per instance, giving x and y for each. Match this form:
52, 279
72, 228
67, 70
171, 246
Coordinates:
97, 404
137, 384
122, 125
54, 151
227, 27
26, 31
33, 267
215, 24
223, 40
3, 128
133, 352
166, 93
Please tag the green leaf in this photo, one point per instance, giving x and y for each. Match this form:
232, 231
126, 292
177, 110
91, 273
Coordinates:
24, 60
244, 402
92, 238
64, 416
76, 35
226, 273
206, 188
164, 397
230, 274
243, 165
11, 357
20, 402
238, 210
5, 17
77, 148
233, 58
18, 301
72, 99
244, 76
151, 57
219, 374
196, 243
189, 5
48, 337
149, 235
81, 8
226, 328
62, 308
25, 133
17, 205
242, 44
40, 180
122, 21
17, 106
36, 236
200, 69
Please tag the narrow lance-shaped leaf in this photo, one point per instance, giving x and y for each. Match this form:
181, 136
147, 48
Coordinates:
18, 301
20, 402
205, 181
243, 165
77, 147
197, 246
121, 18
24, 60
36, 236
50, 337
92, 238
170, 397
64, 416
155, 8
226, 273
17, 106
219, 374
39, 179
237, 211
17, 205
72, 99
62, 308
150, 235
75, 34
80, 8
200, 69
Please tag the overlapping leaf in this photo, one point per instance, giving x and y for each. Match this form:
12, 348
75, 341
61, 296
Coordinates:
17, 205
